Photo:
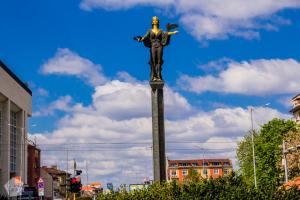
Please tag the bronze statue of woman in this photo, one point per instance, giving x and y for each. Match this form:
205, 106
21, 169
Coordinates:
156, 39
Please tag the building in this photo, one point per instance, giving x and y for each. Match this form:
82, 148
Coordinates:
55, 182
92, 189
296, 108
15, 108
34, 164
206, 168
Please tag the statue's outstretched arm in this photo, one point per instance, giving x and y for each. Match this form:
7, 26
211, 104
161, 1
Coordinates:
145, 36
140, 38
172, 32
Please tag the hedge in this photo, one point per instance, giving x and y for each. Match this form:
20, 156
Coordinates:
227, 188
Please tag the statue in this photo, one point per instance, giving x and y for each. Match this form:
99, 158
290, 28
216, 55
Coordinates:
156, 39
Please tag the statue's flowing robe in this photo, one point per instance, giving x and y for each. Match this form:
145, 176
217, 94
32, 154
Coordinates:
164, 42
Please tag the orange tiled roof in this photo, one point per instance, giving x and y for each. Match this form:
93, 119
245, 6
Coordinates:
96, 184
290, 184
87, 188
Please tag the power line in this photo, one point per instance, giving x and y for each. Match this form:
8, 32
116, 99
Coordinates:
112, 149
132, 143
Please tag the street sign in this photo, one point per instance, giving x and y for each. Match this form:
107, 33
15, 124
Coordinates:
41, 187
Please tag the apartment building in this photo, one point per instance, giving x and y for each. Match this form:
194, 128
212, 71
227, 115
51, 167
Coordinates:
206, 168
55, 181
15, 108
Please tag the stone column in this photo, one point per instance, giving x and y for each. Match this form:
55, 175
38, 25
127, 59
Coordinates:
25, 136
21, 146
158, 130
5, 148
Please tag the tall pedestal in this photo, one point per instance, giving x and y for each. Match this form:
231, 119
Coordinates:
158, 130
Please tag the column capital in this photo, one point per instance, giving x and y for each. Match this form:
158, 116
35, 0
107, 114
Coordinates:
157, 84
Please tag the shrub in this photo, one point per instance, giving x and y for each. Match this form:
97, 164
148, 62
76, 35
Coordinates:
232, 187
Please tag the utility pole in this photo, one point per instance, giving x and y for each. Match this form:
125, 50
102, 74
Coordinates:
285, 162
67, 172
253, 150
87, 172
74, 167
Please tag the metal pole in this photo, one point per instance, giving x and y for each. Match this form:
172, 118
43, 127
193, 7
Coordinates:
74, 167
87, 172
67, 172
285, 162
253, 150
203, 165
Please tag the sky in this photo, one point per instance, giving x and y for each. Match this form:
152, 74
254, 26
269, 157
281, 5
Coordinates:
91, 96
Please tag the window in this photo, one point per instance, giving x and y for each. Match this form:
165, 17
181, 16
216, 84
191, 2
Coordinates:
205, 171
194, 164
215, 163
36, 153
226, 164
226, 171
173, 165
13, 141
216, 171
182, 164
184, 172
205, 164
173, 172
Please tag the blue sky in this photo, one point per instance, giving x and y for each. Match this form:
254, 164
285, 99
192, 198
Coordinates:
89, 76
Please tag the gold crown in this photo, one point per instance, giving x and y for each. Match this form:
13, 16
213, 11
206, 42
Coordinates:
155, 18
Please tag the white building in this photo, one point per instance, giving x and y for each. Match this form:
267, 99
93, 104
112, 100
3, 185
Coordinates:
296, 108
15, 108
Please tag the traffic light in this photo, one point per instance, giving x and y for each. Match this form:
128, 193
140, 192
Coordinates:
78, 172
75, 184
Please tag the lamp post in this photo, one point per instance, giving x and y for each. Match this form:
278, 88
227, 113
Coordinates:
253, 148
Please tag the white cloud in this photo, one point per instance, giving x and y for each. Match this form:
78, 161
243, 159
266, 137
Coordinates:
42, 92
113, 134
286, 101
62, 104
256, 77
213, 19
66, 62
126, 97
122, 4
209, 27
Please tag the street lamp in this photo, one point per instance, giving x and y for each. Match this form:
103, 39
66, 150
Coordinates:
253, 148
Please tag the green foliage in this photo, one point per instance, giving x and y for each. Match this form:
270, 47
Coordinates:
245, 158
193, 176
232, 187
268, 153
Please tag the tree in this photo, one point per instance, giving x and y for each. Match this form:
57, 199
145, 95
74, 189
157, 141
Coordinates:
293, 158
268, 152
192, 176
245, 158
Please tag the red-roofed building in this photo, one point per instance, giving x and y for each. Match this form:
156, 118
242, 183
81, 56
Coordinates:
206, 168
295, 181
